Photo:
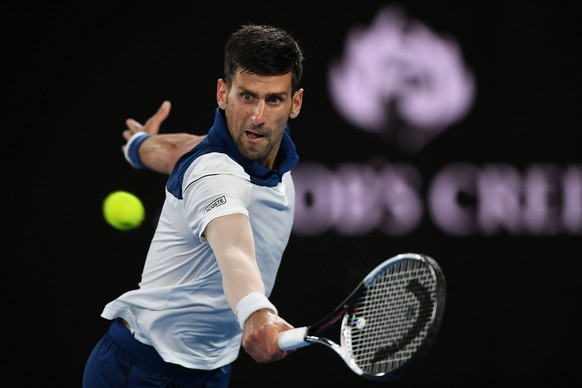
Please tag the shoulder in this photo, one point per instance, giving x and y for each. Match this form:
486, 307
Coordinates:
214, 163
191, 169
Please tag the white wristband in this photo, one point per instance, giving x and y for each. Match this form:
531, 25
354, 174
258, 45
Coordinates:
251, 303
131, 149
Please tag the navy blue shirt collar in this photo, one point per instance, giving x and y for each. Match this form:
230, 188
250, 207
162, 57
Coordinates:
286, 160
220, 140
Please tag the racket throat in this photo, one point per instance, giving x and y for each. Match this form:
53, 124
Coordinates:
350, 362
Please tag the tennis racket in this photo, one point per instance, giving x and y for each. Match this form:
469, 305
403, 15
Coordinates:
389, 321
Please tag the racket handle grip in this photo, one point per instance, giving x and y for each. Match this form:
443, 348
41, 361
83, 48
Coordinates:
293, 339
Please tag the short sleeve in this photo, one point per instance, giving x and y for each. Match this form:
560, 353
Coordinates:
214, 186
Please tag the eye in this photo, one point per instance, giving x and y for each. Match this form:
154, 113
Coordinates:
274, 100
247, 96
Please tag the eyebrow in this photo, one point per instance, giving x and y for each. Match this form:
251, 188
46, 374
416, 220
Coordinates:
280, 94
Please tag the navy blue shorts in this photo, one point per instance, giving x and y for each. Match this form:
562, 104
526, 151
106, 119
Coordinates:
119, 360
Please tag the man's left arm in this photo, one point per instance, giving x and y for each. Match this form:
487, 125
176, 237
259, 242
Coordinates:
147, 148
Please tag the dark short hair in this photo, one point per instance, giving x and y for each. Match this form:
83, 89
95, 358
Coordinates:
263, 50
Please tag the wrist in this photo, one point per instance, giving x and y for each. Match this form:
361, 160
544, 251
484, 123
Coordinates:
251, 303
131, 151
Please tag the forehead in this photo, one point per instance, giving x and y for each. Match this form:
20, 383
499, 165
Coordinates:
263, 85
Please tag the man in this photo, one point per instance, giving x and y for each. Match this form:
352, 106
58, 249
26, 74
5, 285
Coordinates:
224, 225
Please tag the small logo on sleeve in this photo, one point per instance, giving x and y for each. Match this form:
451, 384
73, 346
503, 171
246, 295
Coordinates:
216, 203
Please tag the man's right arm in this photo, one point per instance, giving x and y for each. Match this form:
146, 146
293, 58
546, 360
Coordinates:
231, 239
146, 148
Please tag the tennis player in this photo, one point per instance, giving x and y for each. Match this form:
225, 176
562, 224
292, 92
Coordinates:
224, 225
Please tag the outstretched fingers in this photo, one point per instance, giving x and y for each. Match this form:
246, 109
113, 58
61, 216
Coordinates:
153, 124
132, 127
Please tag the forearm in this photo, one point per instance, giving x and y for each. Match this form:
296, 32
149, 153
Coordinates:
241, 276
232, 243
158, 152
161, 152
243, 285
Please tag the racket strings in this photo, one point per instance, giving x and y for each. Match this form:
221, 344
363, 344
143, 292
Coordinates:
391, 318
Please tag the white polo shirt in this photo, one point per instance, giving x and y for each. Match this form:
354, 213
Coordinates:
180, 308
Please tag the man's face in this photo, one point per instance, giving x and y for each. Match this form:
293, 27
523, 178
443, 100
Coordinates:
257, 109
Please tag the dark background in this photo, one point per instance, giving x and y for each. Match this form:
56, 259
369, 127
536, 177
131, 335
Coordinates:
72, 73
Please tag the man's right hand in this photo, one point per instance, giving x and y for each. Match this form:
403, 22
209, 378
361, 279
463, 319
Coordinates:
261, 336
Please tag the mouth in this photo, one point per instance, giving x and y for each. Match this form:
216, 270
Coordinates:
253, 135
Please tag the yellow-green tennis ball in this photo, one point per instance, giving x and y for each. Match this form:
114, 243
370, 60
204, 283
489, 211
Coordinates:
123, 210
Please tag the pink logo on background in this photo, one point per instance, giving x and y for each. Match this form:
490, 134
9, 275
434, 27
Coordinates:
401, 80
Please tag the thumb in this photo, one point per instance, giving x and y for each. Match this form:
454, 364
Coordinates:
163, 111
152, 126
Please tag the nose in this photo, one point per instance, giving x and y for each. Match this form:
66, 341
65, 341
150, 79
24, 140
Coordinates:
258, 116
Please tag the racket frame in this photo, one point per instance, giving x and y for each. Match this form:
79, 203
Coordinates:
307, 335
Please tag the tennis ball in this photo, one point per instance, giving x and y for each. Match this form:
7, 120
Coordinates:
123, 210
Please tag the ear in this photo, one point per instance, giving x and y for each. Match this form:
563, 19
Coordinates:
297, 102
221, 93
